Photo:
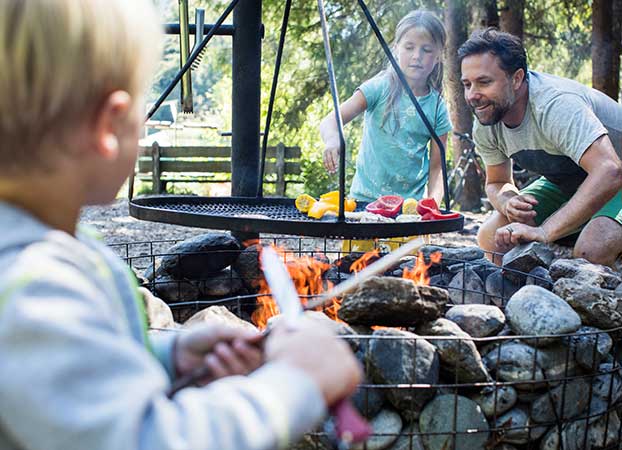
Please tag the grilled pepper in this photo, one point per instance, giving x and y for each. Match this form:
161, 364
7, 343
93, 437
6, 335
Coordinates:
387, 205
428, 209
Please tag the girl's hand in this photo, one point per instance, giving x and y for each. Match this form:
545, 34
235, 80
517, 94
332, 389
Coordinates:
331, 158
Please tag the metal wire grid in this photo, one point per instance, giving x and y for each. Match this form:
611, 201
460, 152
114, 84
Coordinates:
145, 255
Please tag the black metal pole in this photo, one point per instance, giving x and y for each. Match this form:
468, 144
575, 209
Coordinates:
246, 77
335, 95
408, 91
222, 30
275, 82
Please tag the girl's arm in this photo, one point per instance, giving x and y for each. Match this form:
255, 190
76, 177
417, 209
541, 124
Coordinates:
349, 109
435, 177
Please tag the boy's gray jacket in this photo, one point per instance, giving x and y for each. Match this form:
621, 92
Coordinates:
75, 372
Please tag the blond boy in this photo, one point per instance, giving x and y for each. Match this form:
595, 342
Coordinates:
77, 370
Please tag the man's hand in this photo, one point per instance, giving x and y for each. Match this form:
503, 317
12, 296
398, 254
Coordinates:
518, 233
224, 350
519, 208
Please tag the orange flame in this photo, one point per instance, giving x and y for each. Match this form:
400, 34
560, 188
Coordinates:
419, 274
364, 260
306, 273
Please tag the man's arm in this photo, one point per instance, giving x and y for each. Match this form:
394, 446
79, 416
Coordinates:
604, 180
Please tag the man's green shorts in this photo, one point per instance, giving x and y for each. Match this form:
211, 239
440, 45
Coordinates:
551, 198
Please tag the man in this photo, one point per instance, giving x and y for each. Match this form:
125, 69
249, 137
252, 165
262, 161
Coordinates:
555, 127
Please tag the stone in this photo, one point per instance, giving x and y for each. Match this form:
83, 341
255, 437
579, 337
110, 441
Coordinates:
389, 301
477, 320
197, 257
499, 288
452, 255
466, 287
400, 357
592, 274
517, 427
534, 311
173, 290
572, 396
159, 314
334, 276
458, 355
574, 436
515, 361
386, 427
218, 315
368, 400
344, 264
496, 400
540, 277
597, 307
590, 346
225, 283
482, 267
523, 258
441, 280
248, 267
606, 388
438, 417
409, 439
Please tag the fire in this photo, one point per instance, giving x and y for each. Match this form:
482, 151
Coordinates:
364, 260
306, 273
419, 274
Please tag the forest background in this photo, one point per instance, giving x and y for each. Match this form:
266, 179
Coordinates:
576, 39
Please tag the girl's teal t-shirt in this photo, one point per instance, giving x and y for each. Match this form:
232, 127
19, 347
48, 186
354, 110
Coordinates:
395, 162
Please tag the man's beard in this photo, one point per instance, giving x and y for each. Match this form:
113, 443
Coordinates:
498, 110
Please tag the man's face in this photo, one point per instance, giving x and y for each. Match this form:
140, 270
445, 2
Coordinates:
487, 88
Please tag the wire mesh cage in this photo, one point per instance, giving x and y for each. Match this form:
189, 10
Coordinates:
463, 376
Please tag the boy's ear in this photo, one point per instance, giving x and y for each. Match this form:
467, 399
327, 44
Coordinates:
109, 120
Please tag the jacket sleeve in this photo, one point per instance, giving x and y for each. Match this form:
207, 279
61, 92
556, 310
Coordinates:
73, 378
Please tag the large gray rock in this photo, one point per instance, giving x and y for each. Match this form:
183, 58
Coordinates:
588, 273
368, 400
496, 400
466, 287
499, 288
218, 315
516, 361
597, 307
477, 320
173, 290
159, 315
517, 427
400, 357
409, 439
248, 267
386, 427
200, 256
458, 354
590, 346
540, 277
389, 301
606, 388
453, 254
438, 418
225, 283
524, 258
563, 402
602, 433
534, 311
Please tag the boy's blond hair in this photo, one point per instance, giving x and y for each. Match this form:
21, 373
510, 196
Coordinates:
60, 58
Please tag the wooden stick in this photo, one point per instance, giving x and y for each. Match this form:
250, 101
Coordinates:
377, 267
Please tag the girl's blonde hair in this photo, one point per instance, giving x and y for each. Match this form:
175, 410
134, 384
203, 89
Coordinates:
60, 58
433, 25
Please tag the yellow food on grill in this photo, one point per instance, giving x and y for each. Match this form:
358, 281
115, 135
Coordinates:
409, 206
304, 202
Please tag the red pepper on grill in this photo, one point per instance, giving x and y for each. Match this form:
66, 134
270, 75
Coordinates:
428, 210
387, 205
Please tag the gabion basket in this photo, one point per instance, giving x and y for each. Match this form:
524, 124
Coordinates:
432, 386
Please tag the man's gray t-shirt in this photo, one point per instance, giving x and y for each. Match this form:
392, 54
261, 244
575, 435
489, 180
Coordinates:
563, 118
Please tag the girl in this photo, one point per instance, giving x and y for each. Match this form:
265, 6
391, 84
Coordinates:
394, 157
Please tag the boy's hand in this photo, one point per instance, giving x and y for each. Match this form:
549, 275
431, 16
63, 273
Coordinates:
318, 352
331, 158
224, 350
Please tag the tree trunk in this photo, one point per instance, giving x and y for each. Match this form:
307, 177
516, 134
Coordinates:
511, 19
456, 15
485, 14
605, 49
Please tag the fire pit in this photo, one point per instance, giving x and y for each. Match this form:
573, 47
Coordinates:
482, 358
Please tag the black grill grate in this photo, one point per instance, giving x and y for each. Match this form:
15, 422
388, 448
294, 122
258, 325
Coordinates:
272, 215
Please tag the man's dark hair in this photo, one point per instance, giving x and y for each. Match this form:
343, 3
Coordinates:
505, 46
